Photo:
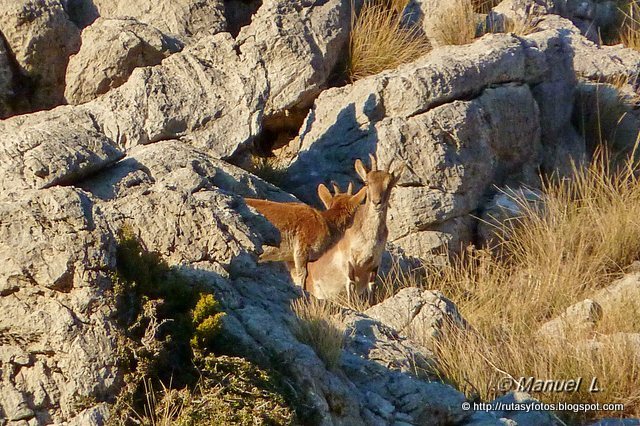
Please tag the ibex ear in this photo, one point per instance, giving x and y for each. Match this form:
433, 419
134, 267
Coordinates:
362, 172
325, 195
360, 196
397, 172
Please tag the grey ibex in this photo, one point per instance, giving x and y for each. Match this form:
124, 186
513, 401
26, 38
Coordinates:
352, 263
306, 232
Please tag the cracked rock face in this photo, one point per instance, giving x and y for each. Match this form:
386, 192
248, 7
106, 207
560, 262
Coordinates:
57, 339
42, 37
181, 18
111, 50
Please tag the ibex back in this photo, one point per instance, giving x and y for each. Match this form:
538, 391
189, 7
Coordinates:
307, 232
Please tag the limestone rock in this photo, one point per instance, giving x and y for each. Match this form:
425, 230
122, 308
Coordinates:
578, 318
416, 313
111, 49
182, 18
51, 148
208, 95
622, 295
58, 345
300, 44
42, 37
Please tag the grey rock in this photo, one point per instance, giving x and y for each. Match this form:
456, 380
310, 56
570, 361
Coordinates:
300, 44
578, 318
42, 37
51, 148
111, 49
182, 18
58, 343
419, 314
209, 95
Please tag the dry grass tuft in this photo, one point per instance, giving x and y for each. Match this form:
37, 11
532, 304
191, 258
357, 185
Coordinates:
629, 31
522, 27
268, 169
318, 327
379, 41
484, 6
455, 24
552, 257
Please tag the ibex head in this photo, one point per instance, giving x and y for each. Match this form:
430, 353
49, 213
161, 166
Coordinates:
339, 199
379, 183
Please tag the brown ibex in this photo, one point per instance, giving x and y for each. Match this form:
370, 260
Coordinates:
305, 232
352, 263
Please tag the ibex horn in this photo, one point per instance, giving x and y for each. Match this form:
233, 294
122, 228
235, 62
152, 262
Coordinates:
350, 189
336, 188
374, 163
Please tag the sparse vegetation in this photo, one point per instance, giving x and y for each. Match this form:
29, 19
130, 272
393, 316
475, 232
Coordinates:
317, 326
629, 30
268, 170
171, 325
484, 6
231, 391
380, 41
455, 24
550, 258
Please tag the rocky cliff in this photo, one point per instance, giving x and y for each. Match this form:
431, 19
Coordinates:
141, 114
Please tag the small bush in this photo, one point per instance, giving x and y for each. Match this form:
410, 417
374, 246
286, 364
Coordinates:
455, 24
379, 41
161, 313
207, 321
317, 327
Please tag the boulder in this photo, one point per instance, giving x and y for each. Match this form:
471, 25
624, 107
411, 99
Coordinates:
300, 45
58, 354
209, 95
183, 19
579, 318
50, 148
622, 295
419, 314
111, 49
42, 37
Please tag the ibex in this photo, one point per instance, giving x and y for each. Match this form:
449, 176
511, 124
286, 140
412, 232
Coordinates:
305, 232
352, 263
